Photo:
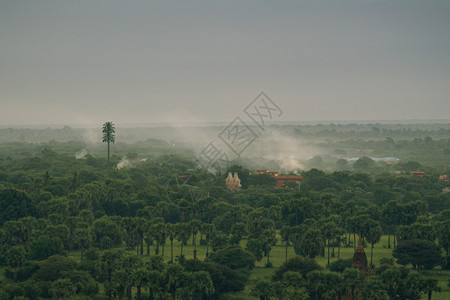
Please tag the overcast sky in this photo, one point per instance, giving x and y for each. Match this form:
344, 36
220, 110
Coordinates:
74, 62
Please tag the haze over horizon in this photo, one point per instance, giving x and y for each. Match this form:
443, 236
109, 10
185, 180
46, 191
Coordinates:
85, 62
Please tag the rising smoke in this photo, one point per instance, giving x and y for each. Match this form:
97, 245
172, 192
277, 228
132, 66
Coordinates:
81, 154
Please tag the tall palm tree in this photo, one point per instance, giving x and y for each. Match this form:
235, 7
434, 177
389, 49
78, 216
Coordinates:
141, 279
286, 233
373, 235
182, 232
200, 284
195, 226
354, 280
109, 262
171, 234
208, 230
108, 135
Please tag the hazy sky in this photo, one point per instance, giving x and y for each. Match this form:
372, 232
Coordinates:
72, 62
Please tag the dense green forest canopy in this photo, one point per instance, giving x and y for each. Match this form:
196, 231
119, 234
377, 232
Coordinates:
71, 228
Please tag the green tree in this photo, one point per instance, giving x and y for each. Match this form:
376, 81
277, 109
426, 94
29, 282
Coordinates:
416, 231
208, 230
119, 283
53, 267
44, 247
195, 226
15, 258
374, 289
140, 279
297, 264
200, 285
392, 279
269, 238
391, 213
159, 234
330, 230
311, 243
422, 254
140, 228
129, 263
263, 290
16, 233
109, 262
109, 135
155, 283
443, 234
14, 204
354, 280
83, 240
286, 233
414, 286
182, 233
233, 257
175, 279
373, 233
364, 164
291, 287
62, 288
238, 231
430, 286
170, 231
256, 248
106, 233
316, 284
148, 238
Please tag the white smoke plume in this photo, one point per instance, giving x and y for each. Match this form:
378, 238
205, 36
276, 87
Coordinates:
124, 163
81, 154
290, 153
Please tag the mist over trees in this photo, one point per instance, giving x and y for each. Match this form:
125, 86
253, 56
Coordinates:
155, 225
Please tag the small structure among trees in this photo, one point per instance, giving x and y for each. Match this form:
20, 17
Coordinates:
233, 182
281, 180
359, 258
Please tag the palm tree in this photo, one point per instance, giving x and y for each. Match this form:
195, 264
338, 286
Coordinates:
129, 263
430, 286
195, 226
269, 237
141, 279
155, 283
354, 280
108, 135
182, 232
148, 237
171, 234
141, 225
373, 235
175, 279
109, 262
329, 230
208, 230
119, 283
263, 290
392, 279
159, 235
200, 284
286, 233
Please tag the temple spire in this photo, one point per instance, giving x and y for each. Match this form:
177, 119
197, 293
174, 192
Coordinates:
360, 247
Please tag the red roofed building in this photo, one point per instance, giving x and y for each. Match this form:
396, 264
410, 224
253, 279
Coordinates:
443, 177
417, 173
281, 180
